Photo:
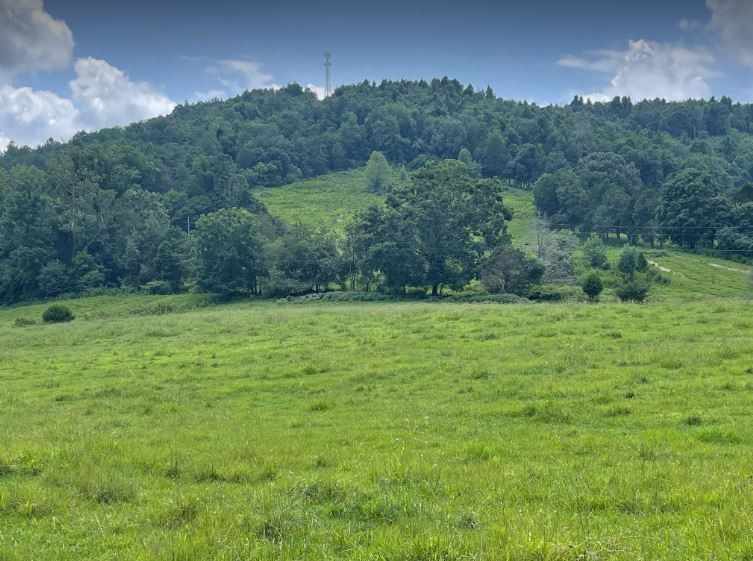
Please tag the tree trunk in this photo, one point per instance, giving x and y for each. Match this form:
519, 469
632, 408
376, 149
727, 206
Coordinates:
434, 289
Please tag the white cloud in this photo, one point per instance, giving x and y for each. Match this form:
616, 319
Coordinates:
31, 117
238, 75
30, 39
102, 96
648, 70
318, 90
733, 21
105, 96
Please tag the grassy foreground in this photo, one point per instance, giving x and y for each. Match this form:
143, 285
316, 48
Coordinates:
405, 431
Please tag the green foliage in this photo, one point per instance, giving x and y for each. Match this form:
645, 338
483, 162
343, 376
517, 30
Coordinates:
632, 289
303, 260
435, 231
509, 270
230, 249
113, 208
57, 314
54, 279
628, 262
692, 208
378, 173
592, 286
595, 253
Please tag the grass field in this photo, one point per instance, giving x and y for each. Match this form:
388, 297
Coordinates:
402, 431
325, 202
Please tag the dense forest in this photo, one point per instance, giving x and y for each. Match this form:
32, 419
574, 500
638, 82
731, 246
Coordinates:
117, 207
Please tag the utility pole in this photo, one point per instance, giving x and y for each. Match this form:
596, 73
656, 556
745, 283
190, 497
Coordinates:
327, 74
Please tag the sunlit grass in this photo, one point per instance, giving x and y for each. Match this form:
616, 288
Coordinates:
378, 431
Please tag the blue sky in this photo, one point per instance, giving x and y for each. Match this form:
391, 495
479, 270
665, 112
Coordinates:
67, 65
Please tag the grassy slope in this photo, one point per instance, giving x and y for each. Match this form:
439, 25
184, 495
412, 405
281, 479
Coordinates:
329, 201
322, 202
396, 431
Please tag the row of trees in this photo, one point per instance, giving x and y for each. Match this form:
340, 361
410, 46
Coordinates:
438, 229
115, 207
696, 207
208, 156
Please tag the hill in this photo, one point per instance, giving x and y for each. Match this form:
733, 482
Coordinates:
115, 208
330, 201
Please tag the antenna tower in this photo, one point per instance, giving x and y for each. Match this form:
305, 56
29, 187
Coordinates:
327, 76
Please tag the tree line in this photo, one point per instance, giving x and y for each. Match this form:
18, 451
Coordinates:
114, 208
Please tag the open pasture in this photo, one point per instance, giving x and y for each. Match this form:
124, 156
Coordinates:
406, 431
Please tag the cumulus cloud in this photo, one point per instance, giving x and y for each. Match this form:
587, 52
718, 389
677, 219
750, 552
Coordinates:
30, 39
31, 117
238, 75
648, 70
106, 96
733, 21
318, 90
102, 96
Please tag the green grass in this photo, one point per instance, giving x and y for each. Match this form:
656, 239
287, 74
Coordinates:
406, 431
525, 224
325, 202
703, 276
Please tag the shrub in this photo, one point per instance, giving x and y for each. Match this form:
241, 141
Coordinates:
159, 287
592, 286
595, 253
57, 314
635, 290
24, 322
554, 293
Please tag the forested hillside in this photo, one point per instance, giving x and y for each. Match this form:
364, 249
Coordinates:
114, 208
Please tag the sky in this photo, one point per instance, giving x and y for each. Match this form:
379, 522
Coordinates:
70, 65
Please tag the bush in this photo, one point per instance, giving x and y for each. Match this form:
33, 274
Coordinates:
24, 322
595, 253
592, 286
159, 287
57, 314
555, 293
635, 290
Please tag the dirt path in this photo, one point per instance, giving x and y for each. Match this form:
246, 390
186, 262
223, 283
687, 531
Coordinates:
728, 268
662, 269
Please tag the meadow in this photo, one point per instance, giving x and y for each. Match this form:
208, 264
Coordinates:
149, 428
327, 202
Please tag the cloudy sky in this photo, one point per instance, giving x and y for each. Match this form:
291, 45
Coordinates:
68, 65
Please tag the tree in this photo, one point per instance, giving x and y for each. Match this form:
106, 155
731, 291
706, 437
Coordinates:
437, 229
635, 290
592, 286
494, 155
378, 173
691, 207
231, 253
631, 260
54, 279
303, 260
595, 253
509, 270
